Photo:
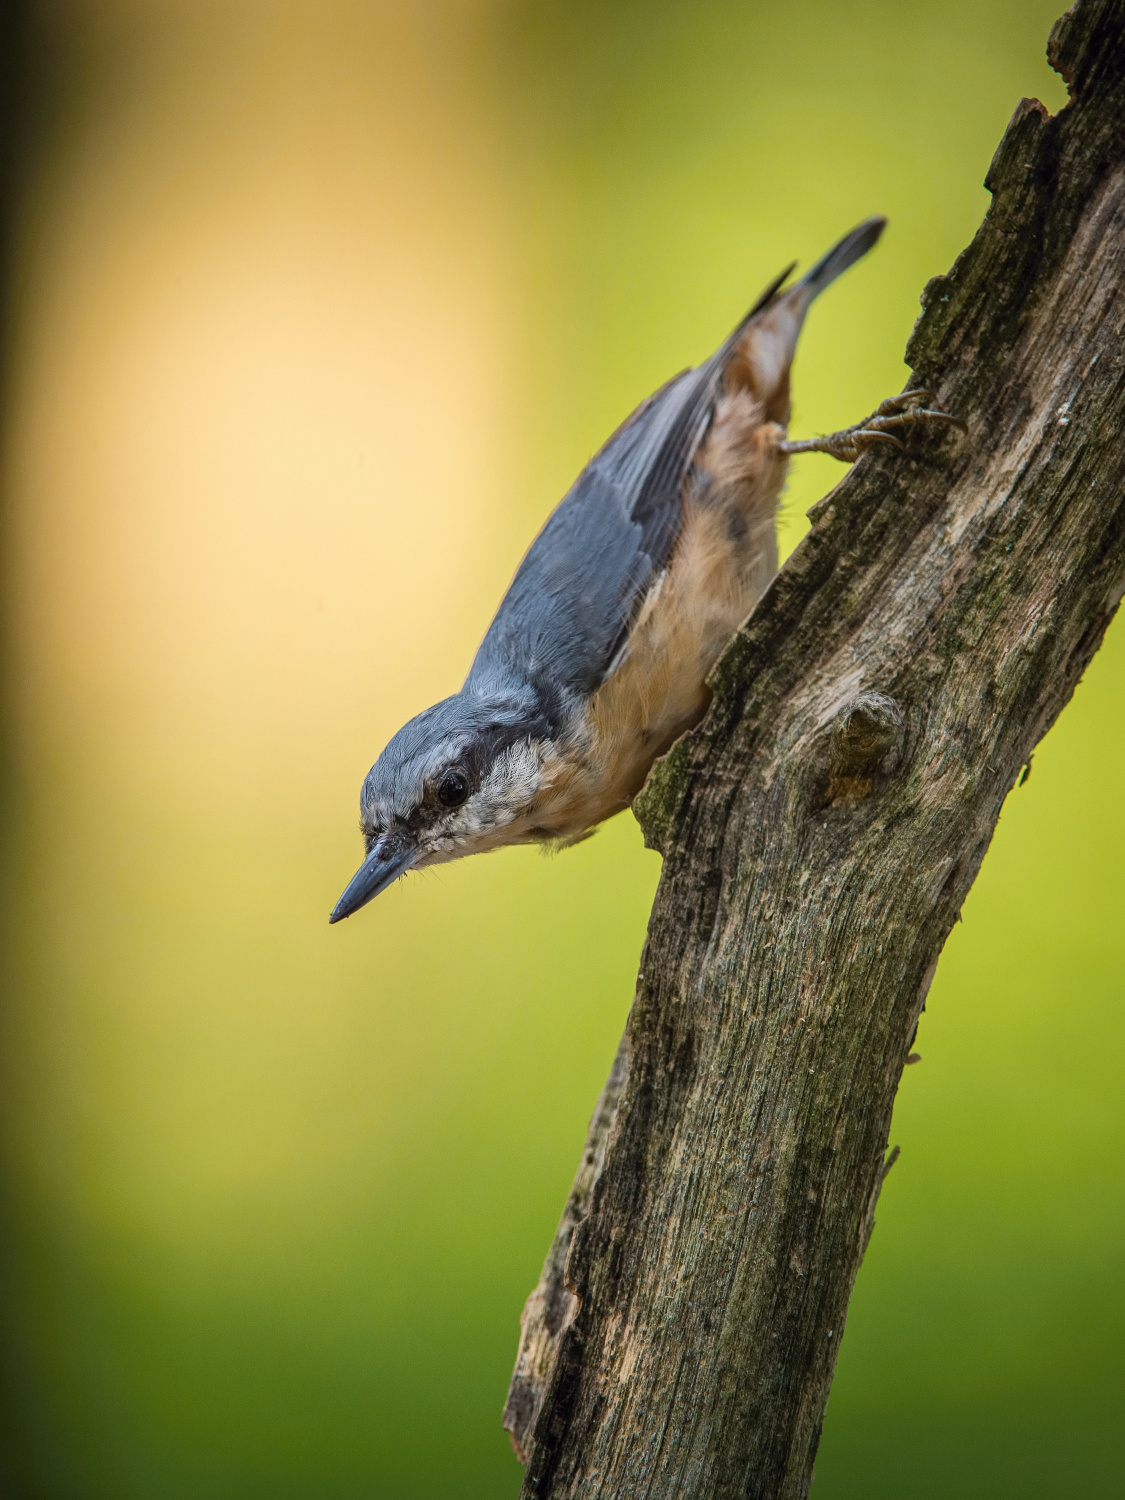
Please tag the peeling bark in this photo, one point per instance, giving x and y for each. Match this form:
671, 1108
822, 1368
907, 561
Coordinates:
820, 831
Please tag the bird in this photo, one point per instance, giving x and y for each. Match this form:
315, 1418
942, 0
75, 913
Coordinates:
598, 657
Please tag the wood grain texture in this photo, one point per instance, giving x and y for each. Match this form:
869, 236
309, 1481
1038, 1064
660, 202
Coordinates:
820, 831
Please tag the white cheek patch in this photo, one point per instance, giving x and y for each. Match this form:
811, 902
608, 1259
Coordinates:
512, 781
510, 784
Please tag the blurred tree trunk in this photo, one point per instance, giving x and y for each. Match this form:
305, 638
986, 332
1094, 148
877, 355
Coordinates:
13, 37
14, 48
820, 832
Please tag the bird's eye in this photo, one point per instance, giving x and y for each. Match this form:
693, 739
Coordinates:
452, 789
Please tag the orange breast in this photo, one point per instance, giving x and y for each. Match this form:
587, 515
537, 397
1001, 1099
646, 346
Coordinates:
723, 560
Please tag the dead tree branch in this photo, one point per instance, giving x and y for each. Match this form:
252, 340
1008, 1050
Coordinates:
820, 832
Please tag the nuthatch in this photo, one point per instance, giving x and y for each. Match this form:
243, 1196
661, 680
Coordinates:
598, 657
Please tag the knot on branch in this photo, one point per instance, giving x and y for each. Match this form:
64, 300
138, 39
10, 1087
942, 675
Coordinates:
860, 747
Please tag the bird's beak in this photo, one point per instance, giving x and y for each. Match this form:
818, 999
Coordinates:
386, 862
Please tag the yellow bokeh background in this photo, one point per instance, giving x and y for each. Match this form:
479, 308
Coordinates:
317, 309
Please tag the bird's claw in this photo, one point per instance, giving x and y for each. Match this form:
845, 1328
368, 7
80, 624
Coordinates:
897, 412
848, 445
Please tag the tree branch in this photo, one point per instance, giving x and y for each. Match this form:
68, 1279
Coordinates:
820, 831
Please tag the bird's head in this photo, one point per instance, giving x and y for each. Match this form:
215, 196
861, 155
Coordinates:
458, 779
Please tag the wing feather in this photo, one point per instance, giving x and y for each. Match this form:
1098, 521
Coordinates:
565, 618
563, 623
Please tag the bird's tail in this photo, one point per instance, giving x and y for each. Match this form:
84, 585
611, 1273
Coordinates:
850, 249
760, 350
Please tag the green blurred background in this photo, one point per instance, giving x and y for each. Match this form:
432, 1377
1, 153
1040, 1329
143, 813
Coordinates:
318, 308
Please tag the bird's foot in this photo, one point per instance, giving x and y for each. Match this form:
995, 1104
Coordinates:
895, 415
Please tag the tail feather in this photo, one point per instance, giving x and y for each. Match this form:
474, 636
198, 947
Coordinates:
760, 350
850, 249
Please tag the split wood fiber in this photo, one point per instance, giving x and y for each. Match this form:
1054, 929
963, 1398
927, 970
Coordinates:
820, 831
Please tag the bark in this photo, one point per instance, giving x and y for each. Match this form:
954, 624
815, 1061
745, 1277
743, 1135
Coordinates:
820, 832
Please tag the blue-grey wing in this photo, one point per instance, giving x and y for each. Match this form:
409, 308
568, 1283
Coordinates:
567, 613
568, 609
